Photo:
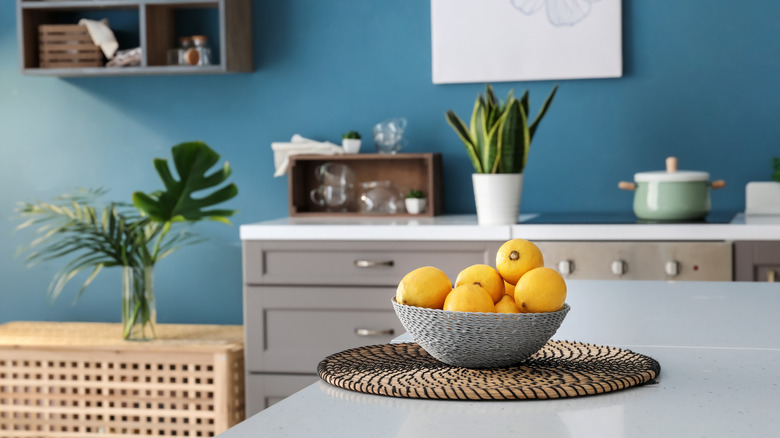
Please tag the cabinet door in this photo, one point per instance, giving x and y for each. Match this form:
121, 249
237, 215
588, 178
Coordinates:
263, 390
291, 329
371, 263
757, 261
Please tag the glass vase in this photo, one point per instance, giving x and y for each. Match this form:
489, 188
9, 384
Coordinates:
139, 314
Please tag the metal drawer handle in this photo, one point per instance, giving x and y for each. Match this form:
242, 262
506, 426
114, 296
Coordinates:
369, 332
373, 264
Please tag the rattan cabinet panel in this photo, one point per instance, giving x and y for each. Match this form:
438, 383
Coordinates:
83, 380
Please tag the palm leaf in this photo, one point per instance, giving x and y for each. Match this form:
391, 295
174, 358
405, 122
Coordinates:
90, 237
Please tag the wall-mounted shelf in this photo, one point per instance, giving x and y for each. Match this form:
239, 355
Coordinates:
153, 25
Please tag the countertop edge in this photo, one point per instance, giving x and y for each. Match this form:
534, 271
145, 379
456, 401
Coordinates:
466, 228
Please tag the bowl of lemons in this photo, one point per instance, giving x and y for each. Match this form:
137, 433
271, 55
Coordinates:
490, 317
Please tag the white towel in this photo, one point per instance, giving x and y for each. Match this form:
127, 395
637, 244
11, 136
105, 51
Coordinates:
101, 35
299, 145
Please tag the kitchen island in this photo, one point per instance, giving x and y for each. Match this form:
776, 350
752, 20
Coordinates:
716, 342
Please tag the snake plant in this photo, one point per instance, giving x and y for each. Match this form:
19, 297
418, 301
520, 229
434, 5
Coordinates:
499, 135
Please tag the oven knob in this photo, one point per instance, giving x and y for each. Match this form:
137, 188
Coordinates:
565, 267
672, 268
618, 267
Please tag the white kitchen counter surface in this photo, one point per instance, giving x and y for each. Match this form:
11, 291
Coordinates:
465, 228
717, 343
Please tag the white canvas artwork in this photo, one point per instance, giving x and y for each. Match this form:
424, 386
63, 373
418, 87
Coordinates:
522, 40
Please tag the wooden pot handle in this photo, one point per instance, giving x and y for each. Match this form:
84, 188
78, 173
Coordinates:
671, 164
719, 184
625, 185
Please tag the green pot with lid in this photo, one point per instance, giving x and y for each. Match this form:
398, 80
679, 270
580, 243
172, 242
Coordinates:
672, 195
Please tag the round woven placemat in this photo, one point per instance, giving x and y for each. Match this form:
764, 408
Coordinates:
560, 369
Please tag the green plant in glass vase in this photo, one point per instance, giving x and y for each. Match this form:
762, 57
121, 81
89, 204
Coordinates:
134, 236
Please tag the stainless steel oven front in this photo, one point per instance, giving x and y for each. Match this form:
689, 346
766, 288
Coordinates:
640, 260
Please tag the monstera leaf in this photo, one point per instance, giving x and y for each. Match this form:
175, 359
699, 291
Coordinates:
176, 203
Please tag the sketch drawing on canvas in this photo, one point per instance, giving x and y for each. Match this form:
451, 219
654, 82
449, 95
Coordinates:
523, 40
559, 12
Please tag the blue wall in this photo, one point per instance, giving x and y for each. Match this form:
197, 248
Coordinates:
701, 82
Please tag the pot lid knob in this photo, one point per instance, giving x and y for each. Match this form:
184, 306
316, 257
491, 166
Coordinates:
671, 164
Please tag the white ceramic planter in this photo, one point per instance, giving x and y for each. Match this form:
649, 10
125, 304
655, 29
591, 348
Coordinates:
415, 205
497, 196
762, 198
350, 145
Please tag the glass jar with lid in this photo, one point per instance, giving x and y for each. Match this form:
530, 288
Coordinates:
201, 45
177, 56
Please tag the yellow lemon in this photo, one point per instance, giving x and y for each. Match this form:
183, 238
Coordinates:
424, 287
516, 257
484, 276
507, 305
469, 298
540, 290
509, 289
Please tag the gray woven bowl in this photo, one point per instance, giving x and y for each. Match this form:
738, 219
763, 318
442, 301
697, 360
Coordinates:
479, 340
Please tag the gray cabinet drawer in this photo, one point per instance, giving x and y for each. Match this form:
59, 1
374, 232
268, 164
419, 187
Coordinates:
263, 390
356, 263
291, 329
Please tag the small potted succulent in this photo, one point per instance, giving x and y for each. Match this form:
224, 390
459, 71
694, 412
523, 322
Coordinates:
415, 202
351, 142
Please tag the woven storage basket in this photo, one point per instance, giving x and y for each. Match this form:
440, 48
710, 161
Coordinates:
479, 340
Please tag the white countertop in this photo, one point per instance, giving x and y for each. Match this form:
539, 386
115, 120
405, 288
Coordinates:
717, 343
465, 228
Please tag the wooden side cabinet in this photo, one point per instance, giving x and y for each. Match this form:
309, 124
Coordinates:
152, 25
83, 380
757, 261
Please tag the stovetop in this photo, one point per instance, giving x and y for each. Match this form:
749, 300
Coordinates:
624, 217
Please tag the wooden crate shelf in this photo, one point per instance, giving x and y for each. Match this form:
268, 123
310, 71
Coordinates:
83, 380
405, 171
